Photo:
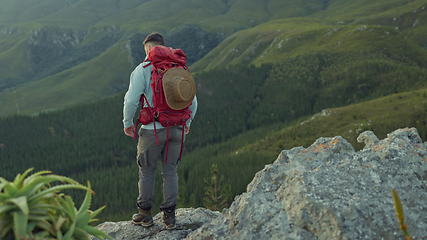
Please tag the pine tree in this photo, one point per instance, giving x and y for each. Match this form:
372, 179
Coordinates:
217, 194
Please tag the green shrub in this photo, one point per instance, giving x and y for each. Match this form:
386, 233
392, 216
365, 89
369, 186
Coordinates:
32, 207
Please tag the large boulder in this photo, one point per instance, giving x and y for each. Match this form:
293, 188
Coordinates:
325, 191
329, 191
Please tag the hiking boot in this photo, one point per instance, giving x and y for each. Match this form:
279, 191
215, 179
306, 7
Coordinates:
143, 218
169, 217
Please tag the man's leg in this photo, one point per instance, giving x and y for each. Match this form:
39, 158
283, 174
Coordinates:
148, 153
170, 176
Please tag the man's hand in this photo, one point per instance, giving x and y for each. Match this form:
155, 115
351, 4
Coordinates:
130, 131
186, 130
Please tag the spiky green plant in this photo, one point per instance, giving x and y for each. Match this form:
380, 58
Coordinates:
400, 214
31, 207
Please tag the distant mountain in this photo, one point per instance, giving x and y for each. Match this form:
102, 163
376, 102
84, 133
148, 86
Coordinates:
381, 29
50, 50
54, 54
160, 15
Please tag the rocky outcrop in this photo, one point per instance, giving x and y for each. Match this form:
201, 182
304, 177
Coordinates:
53, 49
195, 41
49, 50
325, 191
189, 219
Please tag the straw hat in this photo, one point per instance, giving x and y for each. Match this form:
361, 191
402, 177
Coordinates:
179, 88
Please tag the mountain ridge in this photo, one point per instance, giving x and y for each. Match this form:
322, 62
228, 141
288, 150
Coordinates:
320, 18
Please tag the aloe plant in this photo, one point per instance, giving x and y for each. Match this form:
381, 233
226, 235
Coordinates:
32, 208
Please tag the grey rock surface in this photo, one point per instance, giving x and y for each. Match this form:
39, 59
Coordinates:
188, 220
368, 137
325, 191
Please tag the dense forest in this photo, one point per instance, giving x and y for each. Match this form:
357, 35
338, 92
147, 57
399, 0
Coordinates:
238, 107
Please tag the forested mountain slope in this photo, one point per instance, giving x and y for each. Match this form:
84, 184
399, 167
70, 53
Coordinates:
396, 34
81, 51
67, 47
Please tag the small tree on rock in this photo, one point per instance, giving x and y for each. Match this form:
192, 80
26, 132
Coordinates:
218, 193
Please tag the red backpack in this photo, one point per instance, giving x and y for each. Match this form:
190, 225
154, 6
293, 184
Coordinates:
164, 60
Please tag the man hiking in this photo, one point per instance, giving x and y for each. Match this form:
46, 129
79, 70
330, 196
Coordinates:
166, 92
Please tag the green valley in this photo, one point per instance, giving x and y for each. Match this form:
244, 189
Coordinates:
78, 144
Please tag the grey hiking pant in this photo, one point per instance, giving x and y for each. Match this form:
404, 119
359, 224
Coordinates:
148, 155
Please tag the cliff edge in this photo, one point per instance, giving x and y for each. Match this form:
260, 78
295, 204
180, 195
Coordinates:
325, 191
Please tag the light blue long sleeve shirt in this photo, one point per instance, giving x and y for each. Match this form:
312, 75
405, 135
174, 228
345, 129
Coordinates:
140, 80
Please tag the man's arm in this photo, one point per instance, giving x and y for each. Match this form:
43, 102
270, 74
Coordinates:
193, 109
132, 96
